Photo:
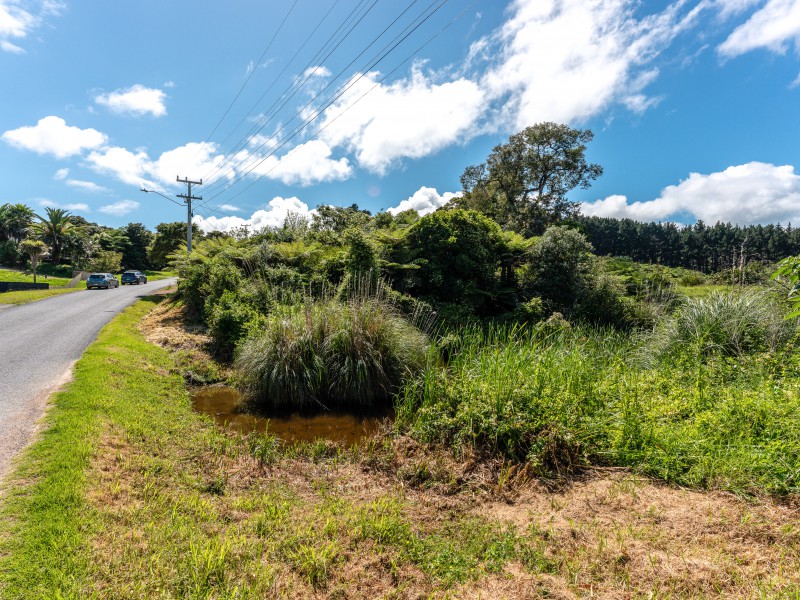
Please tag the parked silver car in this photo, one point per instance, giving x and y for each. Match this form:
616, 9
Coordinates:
101, 280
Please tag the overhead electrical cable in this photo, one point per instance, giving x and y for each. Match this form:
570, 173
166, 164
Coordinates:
342, 32
319, 111
387, 49
252, 71
278, 76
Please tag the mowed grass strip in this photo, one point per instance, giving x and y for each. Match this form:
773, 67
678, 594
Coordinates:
25, 296
46, 520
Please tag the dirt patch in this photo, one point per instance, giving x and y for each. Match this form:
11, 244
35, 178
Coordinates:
168, 326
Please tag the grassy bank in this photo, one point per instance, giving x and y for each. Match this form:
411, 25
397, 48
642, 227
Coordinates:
129, 494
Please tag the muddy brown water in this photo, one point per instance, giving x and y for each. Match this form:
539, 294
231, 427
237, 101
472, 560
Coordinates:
223, 405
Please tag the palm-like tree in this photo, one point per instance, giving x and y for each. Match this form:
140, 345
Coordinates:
53, 229
15, 219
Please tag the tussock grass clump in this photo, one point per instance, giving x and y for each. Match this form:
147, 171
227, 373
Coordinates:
352, 354
730, 324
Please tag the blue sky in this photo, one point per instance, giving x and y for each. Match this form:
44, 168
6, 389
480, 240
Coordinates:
279, 106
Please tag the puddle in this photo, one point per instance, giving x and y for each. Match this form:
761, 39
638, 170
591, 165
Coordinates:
222, 405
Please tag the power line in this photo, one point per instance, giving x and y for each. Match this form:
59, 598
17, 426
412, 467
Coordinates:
377, 83
316, 59
376, 59
252, 72
277, 77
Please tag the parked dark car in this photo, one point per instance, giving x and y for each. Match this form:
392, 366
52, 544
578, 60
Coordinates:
101, 280
131, 277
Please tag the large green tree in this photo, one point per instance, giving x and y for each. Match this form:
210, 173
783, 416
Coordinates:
53, 228
168, 238
134, 256
523, 184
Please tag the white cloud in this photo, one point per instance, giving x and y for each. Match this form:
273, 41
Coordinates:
127, 166
138, 169
77, 206
752, 193
774, 26
52, 135
273, 216
17, 22
229, 208
568, 60
61, 174
303, 165
729, 8
425, 200
136, 100
552, 60
410, 118
7, 46
119, 209
86, 186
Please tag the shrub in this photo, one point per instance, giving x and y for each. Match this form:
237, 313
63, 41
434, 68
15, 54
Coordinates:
330, 354
229, 321
559, 270
106, 261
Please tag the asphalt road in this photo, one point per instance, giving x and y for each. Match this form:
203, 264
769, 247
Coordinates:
39, 342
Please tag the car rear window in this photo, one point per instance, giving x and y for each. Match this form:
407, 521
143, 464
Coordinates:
96, 276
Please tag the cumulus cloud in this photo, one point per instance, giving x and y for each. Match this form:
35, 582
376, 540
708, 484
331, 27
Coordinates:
425, 200
229, 208
52, 135
552, 60
568, 60
271, 216
136, 101
752, 193
137, 168
774, 26
409, 118
303, 165
77, 206
119, 209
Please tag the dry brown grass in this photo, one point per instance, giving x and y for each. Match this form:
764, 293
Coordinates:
168, 503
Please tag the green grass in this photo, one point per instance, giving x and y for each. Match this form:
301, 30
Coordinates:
352, 354
128, 494
559, 400
46, 519
25, 296
7, 275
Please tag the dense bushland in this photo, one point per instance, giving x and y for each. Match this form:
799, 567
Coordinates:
710, 399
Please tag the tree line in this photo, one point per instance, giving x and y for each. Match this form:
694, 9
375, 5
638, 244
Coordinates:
63, 238
701, 247
522, 188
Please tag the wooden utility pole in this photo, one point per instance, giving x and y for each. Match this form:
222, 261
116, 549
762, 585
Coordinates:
187, 197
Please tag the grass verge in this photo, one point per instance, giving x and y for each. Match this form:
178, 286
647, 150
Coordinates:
25, 296
129, 494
